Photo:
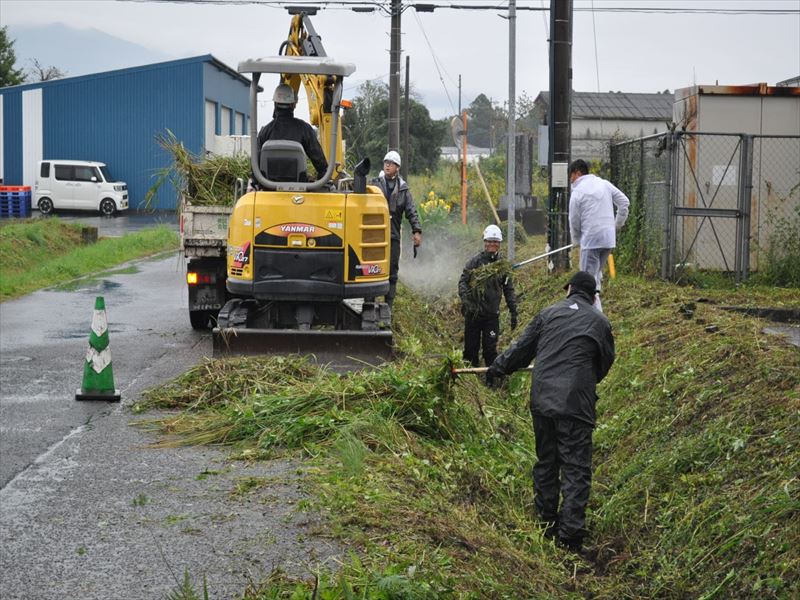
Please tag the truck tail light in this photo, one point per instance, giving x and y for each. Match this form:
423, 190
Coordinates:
193, 278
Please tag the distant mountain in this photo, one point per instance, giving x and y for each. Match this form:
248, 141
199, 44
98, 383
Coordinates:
77, 51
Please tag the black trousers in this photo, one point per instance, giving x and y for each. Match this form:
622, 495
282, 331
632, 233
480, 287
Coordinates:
394, 269
564, 466
477, 330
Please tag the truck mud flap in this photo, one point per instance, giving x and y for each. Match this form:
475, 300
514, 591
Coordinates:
335, 348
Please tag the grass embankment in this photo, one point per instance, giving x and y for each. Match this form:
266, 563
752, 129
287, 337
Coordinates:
697, 455
38, 253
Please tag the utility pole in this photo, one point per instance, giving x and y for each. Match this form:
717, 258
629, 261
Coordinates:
394, 77
560, 128
459, 93
406, 123
511, 190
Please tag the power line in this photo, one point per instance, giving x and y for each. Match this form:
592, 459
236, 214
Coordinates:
423, 7
435, 62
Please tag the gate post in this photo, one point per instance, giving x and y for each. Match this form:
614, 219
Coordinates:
667, 251
745, 194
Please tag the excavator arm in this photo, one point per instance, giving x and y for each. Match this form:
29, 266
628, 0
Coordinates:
303, 40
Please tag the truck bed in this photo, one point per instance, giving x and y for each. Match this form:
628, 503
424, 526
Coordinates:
204, 230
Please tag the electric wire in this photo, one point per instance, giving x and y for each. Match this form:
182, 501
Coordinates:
436, 63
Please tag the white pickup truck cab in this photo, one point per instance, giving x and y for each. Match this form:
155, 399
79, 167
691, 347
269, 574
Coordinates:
78, 185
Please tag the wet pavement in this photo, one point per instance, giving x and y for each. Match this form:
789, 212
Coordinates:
88, 509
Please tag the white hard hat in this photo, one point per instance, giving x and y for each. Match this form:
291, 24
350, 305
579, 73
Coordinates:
492, 234
393, 156
284, 94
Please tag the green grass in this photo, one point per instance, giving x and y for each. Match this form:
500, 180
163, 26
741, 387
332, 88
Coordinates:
427, 481
39, 253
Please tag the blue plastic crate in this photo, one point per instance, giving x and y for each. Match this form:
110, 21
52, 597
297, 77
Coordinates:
17, 206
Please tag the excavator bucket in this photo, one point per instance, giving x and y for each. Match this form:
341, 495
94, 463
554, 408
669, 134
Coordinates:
343, 349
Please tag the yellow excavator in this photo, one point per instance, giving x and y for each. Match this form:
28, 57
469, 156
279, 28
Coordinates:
307, 260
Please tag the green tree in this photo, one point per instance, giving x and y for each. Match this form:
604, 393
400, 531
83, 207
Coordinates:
8, 74
486, 123
367, 130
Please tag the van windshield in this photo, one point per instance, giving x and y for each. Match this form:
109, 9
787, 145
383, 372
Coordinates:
106, 174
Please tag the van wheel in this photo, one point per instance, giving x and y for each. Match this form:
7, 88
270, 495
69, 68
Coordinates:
108, 208
45, 206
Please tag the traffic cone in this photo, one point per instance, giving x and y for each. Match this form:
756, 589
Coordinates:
98, 378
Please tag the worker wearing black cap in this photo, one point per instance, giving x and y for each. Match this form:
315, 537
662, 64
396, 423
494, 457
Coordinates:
574, 349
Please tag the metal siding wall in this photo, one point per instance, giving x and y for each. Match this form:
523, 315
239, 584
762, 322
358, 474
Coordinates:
220, 87
1, 138
116, 118
31, 134
12, 138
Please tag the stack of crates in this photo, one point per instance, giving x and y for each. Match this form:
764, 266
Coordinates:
15, 201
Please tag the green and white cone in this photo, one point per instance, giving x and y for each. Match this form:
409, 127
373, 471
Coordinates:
98, 377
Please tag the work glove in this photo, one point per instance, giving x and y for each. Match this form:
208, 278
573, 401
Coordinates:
493, 377
513, 320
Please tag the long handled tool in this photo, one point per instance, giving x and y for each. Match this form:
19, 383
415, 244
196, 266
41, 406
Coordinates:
546, 254
477, 370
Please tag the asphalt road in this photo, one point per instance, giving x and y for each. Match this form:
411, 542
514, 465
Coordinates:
87, 508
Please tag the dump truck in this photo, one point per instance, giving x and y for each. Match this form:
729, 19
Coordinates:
307, 260
204, 233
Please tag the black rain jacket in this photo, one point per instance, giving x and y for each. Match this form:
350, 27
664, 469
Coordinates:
284, 126
486, 302
574, 349
400, 203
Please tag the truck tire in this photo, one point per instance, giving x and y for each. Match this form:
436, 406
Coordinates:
199, 319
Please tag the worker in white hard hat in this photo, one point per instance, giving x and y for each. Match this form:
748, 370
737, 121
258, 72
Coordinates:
284, 126
483, 282
395, 190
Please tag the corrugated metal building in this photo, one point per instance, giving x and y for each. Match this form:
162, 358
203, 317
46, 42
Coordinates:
598, 118
114, 117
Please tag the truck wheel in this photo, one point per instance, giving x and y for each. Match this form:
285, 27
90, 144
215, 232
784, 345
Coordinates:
45, 206
199, 319
108, 208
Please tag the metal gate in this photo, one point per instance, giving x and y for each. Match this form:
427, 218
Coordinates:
694, 194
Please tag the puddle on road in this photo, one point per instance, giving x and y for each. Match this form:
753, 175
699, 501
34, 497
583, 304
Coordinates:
84, 333
96, 281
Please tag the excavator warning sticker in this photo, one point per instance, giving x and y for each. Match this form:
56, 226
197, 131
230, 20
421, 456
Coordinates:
333, 215
307, 229
335, 225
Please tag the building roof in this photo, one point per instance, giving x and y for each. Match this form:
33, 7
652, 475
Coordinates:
160, 65
618, 105
757, 89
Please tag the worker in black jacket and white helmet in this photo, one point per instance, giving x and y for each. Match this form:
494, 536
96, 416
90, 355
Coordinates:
398, 196
480, 292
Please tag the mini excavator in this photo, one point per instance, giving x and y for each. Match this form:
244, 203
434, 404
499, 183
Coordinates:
307, 260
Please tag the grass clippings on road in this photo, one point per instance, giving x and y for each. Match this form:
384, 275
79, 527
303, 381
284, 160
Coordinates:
697, 455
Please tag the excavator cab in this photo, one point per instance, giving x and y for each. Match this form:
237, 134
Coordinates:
307, 261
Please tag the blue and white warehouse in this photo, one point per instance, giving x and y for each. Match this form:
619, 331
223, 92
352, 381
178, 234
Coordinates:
116, 117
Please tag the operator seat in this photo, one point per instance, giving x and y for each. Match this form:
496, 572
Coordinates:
283, 160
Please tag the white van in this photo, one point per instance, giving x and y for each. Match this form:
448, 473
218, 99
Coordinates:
78, 185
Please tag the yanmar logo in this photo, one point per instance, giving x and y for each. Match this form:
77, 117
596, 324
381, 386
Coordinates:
298, 228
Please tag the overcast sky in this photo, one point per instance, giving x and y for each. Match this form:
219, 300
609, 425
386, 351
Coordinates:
634, 52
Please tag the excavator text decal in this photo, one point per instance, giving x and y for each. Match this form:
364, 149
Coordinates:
241, 256
307, 229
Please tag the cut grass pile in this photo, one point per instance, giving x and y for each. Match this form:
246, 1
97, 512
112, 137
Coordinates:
697, 455
38, 253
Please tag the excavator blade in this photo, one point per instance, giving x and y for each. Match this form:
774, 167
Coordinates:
338, 349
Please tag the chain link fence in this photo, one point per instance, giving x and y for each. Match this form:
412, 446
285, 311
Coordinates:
728, 203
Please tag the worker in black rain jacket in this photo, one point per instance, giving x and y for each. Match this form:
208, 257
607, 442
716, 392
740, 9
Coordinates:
480, 304
574, 350
395, 190
284, 126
